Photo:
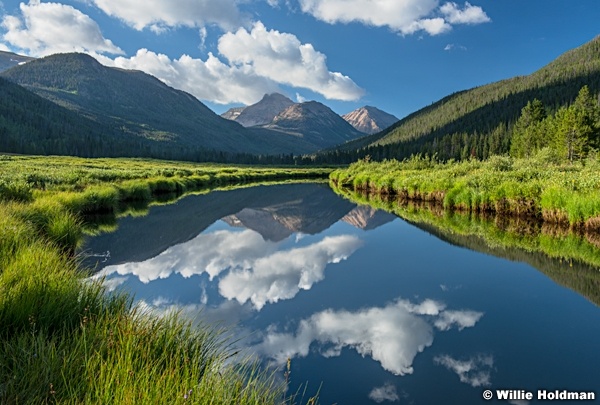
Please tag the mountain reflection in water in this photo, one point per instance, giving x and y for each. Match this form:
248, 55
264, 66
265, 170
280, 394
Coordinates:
372, 307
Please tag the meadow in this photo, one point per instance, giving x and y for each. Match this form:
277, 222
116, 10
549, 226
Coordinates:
537, 187
64, 340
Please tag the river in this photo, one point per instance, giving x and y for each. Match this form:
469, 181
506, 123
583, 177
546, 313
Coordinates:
368, 307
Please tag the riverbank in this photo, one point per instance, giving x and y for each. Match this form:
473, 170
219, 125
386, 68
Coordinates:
63, 340
567, 195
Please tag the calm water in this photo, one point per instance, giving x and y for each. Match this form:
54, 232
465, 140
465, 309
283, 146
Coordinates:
372, 307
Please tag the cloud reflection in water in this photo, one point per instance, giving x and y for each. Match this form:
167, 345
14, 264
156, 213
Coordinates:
392, 335
254, 269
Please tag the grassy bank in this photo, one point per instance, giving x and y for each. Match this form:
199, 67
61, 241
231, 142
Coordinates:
63, 340
534, 187
571, 258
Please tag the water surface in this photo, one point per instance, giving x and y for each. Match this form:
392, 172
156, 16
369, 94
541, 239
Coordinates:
366, 304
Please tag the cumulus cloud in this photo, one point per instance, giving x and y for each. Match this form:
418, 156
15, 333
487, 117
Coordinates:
281, 57
254, 270
260, 61
41, 30
392, 335
403, 16
387, 392
159, 15
475, 371
209, 79
468, 15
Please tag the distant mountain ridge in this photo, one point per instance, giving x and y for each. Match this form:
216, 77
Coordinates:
143, 106
314, 122
9, 59
370, 120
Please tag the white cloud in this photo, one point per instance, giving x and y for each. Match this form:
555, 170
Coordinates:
209, 79
387, 392
432, 26
159, 15
255, 271
403, 16
259, 62
282, 58
392, 335
451, 47
469, 15
47, 28
474, 371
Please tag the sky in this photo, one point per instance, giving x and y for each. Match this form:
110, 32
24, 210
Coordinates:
396, 55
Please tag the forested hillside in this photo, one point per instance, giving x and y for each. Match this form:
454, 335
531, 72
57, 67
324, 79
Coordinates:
30, 124
478, 122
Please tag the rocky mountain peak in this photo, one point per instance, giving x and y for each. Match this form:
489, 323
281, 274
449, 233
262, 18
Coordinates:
260, 113
370, 120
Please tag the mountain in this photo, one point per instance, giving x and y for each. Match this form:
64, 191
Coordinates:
33, 125
9, 59
260, 113
144, 107
477, 122
315, 123
370, 120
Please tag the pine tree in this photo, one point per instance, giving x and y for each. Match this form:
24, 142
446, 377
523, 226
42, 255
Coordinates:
528, 133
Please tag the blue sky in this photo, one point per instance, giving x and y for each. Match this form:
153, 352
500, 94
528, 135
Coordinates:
397, 55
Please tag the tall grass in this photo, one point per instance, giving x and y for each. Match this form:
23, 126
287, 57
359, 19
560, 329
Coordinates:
535, 187
65, 340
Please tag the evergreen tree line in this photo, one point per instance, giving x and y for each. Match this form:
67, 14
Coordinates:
570, 133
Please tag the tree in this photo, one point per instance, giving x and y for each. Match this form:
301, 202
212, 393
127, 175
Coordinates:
577, 127
570, 140
588, 116
528, 133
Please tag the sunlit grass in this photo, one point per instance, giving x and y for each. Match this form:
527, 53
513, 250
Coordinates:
534, 187
67, 341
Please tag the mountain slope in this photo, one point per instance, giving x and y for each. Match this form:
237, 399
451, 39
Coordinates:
31, 124
477, 121
143, 106
370, 120
315, 123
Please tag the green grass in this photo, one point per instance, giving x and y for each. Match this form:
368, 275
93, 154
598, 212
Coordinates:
65, 340
535, 187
